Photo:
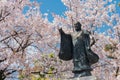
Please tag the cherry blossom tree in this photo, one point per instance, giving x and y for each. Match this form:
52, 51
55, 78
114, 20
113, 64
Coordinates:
15, 36
24, 37
29, 43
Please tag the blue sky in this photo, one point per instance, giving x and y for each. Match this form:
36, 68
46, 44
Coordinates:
52, 6
57, 7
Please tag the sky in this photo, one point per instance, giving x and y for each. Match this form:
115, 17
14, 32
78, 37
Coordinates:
52, 6
57, 7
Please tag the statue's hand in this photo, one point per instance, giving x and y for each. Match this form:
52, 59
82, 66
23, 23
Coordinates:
60, 30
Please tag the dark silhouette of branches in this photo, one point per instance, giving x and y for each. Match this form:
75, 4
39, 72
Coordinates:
3, 60
3, 14
117, 72
14, 34
23, 42
5, 72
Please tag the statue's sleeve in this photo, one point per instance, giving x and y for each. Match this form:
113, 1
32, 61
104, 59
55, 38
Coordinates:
66, 46
93, 57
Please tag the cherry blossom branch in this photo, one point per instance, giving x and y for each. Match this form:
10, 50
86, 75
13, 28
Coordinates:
6, 13
117, 72
9, 36
3, 60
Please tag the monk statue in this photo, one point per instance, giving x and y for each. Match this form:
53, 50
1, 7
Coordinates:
77, 47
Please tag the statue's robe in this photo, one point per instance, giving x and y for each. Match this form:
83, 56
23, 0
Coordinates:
77, 48
66, 46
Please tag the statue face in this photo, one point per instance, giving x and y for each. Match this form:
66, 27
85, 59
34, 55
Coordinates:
77, 26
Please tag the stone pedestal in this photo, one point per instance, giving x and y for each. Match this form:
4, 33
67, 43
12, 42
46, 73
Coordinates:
83, 78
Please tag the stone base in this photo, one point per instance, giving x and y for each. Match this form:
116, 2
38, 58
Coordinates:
83, 78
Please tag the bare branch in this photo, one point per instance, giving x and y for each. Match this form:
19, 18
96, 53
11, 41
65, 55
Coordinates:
8, 46
26, 44
11, 72
2, 18
20, 46
9, 37
1, 13
117, 71
3, 60
39, 34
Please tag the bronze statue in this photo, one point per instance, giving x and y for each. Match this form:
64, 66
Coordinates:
77, 46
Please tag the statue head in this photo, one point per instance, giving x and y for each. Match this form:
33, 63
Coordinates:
77, 26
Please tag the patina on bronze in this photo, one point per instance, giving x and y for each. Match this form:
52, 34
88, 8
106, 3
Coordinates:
76, 46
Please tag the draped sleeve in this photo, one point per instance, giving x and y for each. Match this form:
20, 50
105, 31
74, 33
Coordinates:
92, 57
66, 46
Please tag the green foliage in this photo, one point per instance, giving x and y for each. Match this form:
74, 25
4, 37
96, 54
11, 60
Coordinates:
44, 68
52, 68
108, 47
47, 60
21, 77
34, 77
51, 55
